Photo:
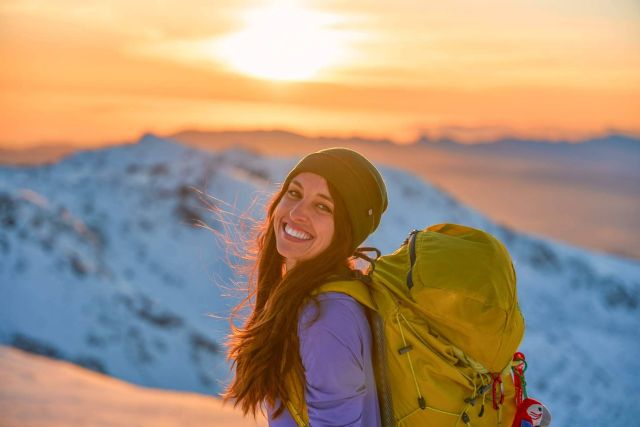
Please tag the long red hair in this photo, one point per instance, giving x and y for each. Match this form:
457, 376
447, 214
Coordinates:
265, 349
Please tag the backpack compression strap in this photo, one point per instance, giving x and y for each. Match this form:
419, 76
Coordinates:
411, 241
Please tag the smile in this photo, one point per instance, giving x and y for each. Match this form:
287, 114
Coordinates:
298, 234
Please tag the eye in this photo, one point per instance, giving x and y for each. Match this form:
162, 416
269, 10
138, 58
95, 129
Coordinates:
324, 208
295, 194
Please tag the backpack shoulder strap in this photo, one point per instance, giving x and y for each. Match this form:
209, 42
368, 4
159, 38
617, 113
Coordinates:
356, 289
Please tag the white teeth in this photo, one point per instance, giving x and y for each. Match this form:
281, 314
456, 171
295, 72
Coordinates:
296, 233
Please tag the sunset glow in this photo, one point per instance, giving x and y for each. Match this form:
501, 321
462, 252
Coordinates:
283, 41
91, 72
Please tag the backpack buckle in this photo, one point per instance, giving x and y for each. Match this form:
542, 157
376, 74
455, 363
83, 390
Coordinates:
359, 275
411, 233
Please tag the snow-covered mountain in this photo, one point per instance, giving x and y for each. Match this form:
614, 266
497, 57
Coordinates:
101, 265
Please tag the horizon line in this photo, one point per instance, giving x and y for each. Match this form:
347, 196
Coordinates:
434, 135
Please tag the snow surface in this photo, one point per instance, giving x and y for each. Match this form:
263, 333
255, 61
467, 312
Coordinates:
38, 391
101, 265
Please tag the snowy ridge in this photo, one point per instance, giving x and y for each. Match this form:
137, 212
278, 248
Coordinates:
100, 264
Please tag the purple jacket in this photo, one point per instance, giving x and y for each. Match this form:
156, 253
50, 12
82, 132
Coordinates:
336, 354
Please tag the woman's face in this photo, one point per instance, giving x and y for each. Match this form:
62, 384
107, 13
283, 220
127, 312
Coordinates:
303, 219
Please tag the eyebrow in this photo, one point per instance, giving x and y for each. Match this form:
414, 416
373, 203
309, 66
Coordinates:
321, 195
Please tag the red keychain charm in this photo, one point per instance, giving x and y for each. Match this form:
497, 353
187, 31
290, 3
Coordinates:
530, 412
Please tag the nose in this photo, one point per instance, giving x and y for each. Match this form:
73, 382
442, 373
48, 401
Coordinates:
299, 212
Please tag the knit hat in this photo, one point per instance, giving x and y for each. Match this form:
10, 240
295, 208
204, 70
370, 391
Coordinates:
357, 181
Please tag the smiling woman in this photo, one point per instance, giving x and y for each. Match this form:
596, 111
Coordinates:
285, 41
306, 358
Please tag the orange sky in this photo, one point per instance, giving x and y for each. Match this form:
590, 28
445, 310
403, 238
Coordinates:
88, 72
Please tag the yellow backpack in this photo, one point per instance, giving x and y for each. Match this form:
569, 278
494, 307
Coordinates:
446, 323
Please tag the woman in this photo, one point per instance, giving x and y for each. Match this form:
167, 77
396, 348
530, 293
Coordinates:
295, 345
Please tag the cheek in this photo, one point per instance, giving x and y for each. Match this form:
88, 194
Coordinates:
281, 207
328, 230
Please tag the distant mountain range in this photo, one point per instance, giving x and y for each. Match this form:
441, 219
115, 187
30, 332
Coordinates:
619, 151
613, 145
612, 140
101, 265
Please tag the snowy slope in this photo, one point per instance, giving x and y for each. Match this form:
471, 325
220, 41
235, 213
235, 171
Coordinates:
38, 391
100, 265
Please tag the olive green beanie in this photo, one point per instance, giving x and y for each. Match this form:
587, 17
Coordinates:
357, 181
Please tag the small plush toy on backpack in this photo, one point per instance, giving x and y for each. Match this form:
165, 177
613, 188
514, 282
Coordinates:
530, 412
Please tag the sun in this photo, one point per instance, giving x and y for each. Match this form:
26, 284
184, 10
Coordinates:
284, 41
